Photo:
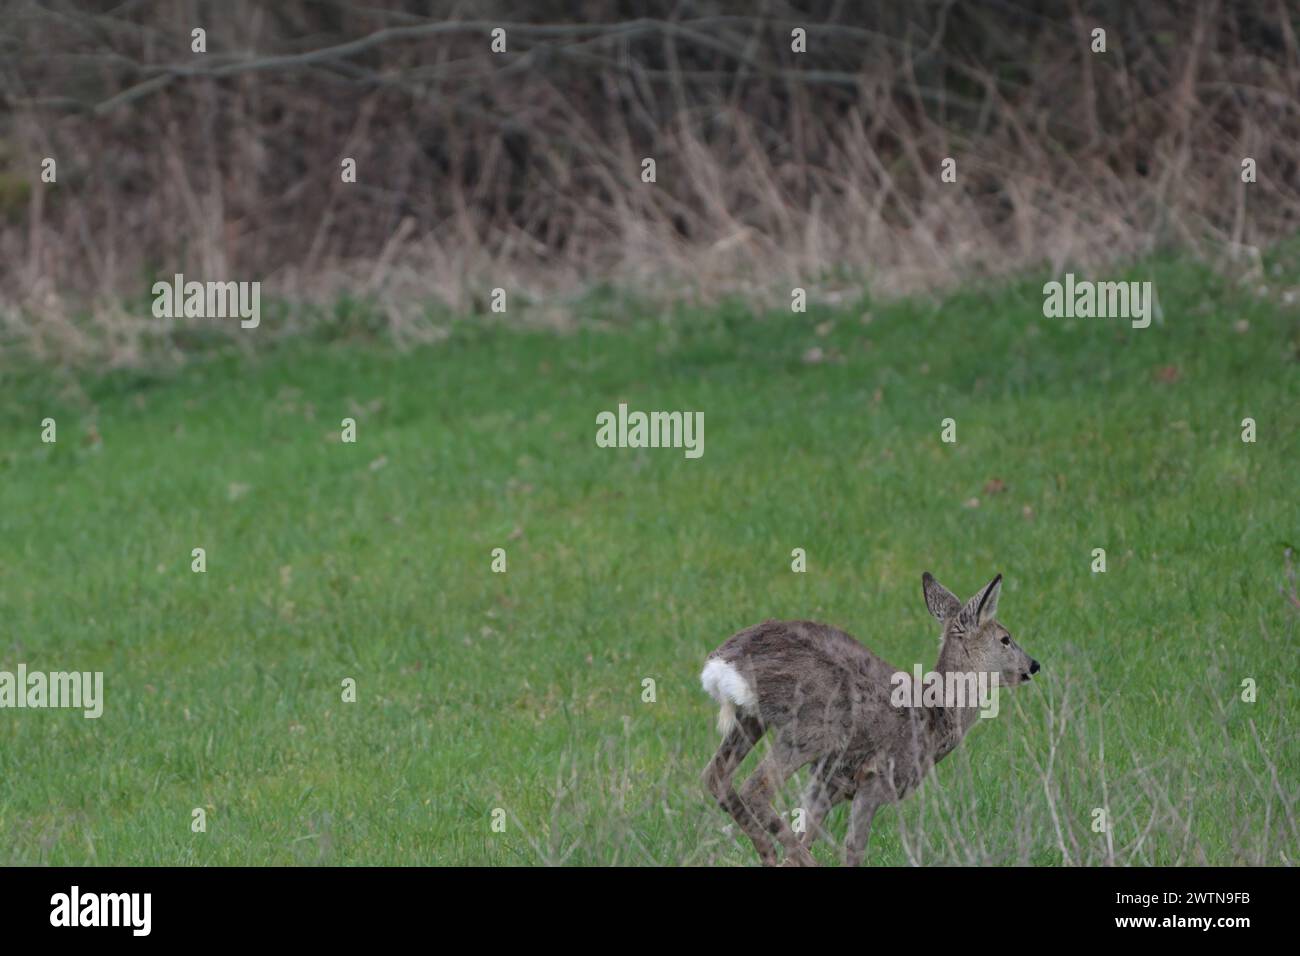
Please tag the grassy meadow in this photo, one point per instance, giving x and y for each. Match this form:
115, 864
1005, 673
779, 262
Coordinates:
523, 691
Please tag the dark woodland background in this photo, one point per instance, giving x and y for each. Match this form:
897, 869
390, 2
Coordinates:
478, 169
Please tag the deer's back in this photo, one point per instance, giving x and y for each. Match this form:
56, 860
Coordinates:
818, 685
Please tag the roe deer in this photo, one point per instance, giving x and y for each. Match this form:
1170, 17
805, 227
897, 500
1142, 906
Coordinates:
827, 700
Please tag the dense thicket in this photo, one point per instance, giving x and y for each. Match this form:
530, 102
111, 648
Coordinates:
525, 166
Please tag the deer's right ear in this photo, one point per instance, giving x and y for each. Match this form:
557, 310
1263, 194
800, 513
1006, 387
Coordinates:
941, 602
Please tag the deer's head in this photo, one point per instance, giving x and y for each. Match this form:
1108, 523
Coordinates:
973, 639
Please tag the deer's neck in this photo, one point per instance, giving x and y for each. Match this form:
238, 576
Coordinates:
949, 725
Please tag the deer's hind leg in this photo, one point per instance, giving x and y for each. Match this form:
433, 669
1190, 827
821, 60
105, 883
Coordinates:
757, 793
738, 742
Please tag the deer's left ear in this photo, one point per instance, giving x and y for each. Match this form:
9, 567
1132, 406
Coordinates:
983, 606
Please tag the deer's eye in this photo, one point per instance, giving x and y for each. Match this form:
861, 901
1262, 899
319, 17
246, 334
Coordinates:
1006, 639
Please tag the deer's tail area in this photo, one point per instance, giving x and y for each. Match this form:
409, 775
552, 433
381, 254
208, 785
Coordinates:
725, 684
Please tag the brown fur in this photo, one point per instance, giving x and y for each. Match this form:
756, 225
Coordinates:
825, 699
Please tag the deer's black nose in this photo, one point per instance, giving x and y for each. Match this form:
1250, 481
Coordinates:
1033, 667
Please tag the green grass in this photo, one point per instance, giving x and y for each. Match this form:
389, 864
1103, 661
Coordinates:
523, 690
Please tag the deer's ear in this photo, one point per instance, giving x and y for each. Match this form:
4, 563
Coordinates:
941, 602
983, 606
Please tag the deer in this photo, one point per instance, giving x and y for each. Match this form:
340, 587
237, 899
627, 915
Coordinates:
828, 703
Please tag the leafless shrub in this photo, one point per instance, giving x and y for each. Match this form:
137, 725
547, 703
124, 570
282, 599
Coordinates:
521, 170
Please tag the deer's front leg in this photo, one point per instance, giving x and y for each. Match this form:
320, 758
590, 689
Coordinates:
823, 793
860, 815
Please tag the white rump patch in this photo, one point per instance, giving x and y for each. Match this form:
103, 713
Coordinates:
724, 683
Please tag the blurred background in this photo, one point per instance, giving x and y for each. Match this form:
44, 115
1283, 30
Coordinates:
522, 169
